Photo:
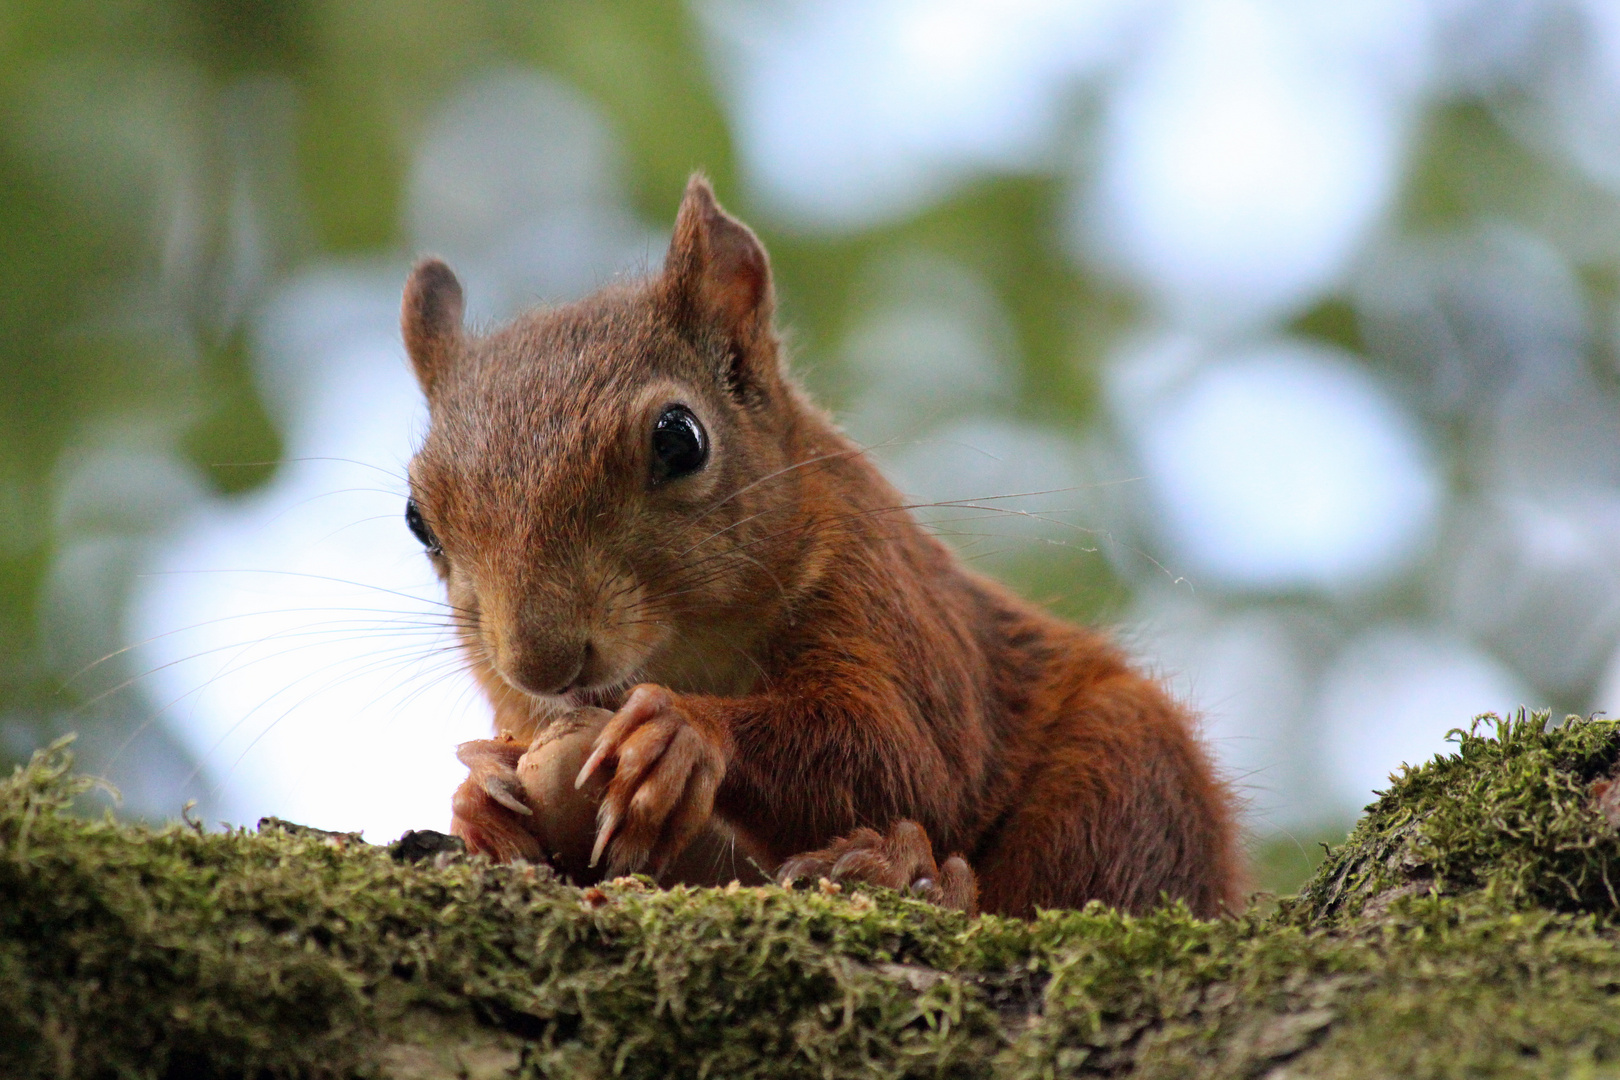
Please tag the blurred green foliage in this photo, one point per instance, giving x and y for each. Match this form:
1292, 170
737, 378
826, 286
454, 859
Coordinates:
117, 164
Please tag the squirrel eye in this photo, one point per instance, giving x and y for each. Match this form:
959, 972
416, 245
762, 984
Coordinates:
419, 528
680, 445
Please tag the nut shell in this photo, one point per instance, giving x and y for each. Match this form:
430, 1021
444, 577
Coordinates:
565, 817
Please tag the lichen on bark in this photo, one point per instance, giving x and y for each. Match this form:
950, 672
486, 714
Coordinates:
1466, 927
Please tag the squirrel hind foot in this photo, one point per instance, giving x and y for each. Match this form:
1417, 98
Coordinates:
902, 859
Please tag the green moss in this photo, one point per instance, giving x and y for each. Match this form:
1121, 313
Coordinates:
1513, 815
1463, 929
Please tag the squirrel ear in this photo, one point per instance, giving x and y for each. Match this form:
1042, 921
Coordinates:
719, 277
430, 320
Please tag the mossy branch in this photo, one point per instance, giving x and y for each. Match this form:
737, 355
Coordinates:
1466, 928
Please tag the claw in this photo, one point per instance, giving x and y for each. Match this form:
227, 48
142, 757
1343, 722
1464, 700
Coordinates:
589, 767
502, 791
604, 833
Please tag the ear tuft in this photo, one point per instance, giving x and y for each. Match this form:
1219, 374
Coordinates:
430, 320
718, 274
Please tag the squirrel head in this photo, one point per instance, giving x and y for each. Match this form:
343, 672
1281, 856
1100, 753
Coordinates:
602, 484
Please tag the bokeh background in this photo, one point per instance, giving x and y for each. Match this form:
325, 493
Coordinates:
1280, 335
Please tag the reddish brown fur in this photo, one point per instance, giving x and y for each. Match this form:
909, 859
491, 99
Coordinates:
829, 664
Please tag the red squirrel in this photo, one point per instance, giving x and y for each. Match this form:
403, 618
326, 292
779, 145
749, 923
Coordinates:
635, 508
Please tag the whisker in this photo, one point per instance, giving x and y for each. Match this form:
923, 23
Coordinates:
834, 455
228, 669
314, 577
92, 665
368, 668
347, 632
341, 529
312, 499
401, 477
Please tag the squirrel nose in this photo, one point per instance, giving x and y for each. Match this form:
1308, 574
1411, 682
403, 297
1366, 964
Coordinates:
545, 667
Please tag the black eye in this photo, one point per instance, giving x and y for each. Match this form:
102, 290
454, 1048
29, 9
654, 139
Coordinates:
680, 445
419, 528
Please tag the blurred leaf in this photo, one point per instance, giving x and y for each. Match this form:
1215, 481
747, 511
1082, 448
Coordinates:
235, 444
236, 36
351, 165
1334, 322
1465, 164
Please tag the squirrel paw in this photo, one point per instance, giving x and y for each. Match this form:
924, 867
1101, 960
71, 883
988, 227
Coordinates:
903, 860
661, 795
488, 811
